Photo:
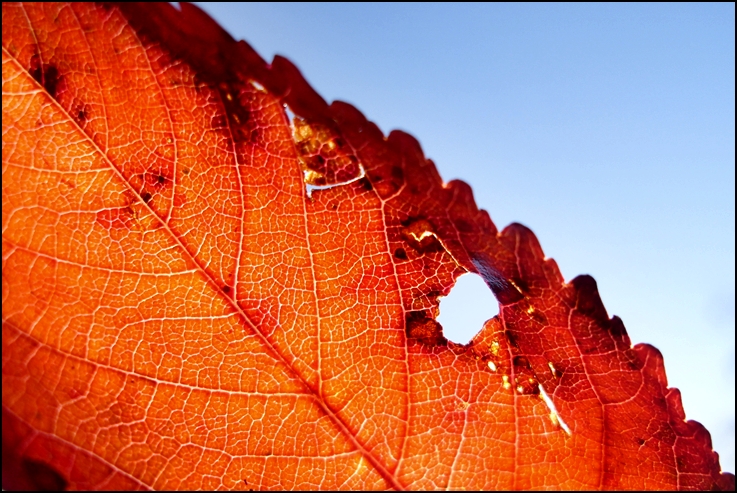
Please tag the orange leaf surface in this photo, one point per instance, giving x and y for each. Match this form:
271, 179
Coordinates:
200, 291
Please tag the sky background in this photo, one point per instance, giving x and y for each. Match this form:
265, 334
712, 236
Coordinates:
606, 129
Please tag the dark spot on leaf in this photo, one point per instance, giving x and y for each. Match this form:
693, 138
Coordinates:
339, 142
400, 253
43, 476
226, 289
640, 442
146, 197
81, 112
511, 338
423, 328
539, 317
320, 160
366, 184
35, 69
397, 173
185, 171
154, 179
45, 74
559, 370
521, 362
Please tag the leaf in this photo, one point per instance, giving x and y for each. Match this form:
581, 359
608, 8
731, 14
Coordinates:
200, 292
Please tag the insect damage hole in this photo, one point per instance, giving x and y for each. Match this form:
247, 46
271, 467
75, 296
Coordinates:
468, 305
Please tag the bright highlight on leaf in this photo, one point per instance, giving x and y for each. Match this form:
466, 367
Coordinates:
203, 291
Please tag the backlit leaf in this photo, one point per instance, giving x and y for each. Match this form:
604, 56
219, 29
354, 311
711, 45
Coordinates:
201, 291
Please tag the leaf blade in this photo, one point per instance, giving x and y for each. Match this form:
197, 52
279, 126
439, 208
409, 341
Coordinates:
304, 302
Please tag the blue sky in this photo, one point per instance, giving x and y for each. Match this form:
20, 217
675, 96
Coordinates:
606, 129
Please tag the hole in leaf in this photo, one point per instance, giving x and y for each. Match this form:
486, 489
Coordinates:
468, 305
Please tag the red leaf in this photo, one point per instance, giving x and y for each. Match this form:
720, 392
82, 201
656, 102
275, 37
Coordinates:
199, 293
